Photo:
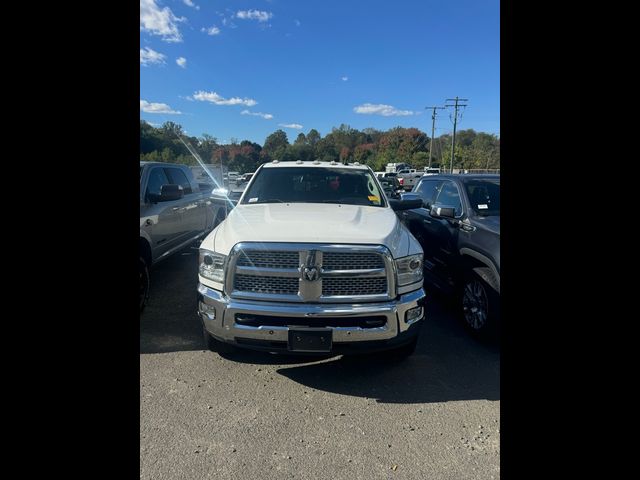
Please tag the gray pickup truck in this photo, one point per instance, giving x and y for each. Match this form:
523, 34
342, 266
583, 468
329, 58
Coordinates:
174, 213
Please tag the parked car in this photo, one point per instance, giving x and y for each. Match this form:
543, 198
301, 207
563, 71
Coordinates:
313, 259
395, 175
174, 213
459, 230
243, 178
391, 186
410, 177
396, 167
223, 200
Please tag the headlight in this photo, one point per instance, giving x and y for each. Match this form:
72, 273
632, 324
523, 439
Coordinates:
409, 269
212, 265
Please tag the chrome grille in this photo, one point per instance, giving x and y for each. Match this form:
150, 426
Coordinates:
354, 286
262, 259
264, 284
310, 272
351, 261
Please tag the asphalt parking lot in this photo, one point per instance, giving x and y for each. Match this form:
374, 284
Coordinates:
256, 415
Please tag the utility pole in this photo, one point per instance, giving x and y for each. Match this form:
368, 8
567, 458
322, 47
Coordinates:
433, 128
455, 123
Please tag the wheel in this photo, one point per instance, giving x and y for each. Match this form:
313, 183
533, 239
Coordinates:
144, 284
214, 345
480, 307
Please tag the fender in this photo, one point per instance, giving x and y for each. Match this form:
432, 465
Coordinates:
494, 278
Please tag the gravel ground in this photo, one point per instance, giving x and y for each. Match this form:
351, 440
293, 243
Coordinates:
255, 415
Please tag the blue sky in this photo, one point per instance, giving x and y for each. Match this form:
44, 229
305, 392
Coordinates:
316, 64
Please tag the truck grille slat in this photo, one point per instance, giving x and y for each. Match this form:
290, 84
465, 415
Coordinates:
261, 259
354, 286
272, 285
352, 261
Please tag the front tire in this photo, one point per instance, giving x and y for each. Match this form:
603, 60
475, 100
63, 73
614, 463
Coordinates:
144, 283
480, 307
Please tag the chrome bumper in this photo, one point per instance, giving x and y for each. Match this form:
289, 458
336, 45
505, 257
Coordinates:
218, 314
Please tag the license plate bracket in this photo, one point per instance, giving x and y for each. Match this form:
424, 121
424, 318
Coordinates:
310, 340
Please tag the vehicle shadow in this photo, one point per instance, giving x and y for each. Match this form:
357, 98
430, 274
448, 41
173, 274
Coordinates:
447, 365
169, 322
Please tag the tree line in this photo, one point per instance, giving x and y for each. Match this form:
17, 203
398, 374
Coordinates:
343, 144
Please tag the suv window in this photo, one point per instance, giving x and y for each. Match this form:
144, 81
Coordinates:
178, 177
427, 190
484, 196
157, 178
449, 196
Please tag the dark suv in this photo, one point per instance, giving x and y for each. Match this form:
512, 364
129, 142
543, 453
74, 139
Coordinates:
459, 230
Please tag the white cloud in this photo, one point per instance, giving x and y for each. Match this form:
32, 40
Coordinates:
297, 126
266, 116
380, 109
213, 97
189, 3
150, 107
344, 79
150, 57
258, 15
297, 22
182, 62
211, 30
161, 22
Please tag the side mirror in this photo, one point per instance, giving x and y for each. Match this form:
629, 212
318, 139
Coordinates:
442, 212
403, 204
168, 192
410, 196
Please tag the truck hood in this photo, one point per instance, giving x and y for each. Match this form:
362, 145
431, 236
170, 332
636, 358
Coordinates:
313, 223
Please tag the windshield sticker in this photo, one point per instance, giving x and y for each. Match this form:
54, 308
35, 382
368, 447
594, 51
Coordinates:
482, 206
253, 200
373, 198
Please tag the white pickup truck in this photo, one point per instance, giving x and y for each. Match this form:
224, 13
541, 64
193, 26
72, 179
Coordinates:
411, 177
313, 259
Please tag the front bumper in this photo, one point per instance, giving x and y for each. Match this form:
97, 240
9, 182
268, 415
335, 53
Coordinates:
218, 314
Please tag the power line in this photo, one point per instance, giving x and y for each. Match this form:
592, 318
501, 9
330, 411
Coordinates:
455, 123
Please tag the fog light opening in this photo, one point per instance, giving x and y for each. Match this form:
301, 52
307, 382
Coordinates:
413, 314
208, 310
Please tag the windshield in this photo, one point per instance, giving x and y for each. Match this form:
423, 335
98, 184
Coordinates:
484, 196
314, 185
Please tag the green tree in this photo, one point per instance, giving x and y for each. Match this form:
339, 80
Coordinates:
313, 137
276, 144
301, 139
